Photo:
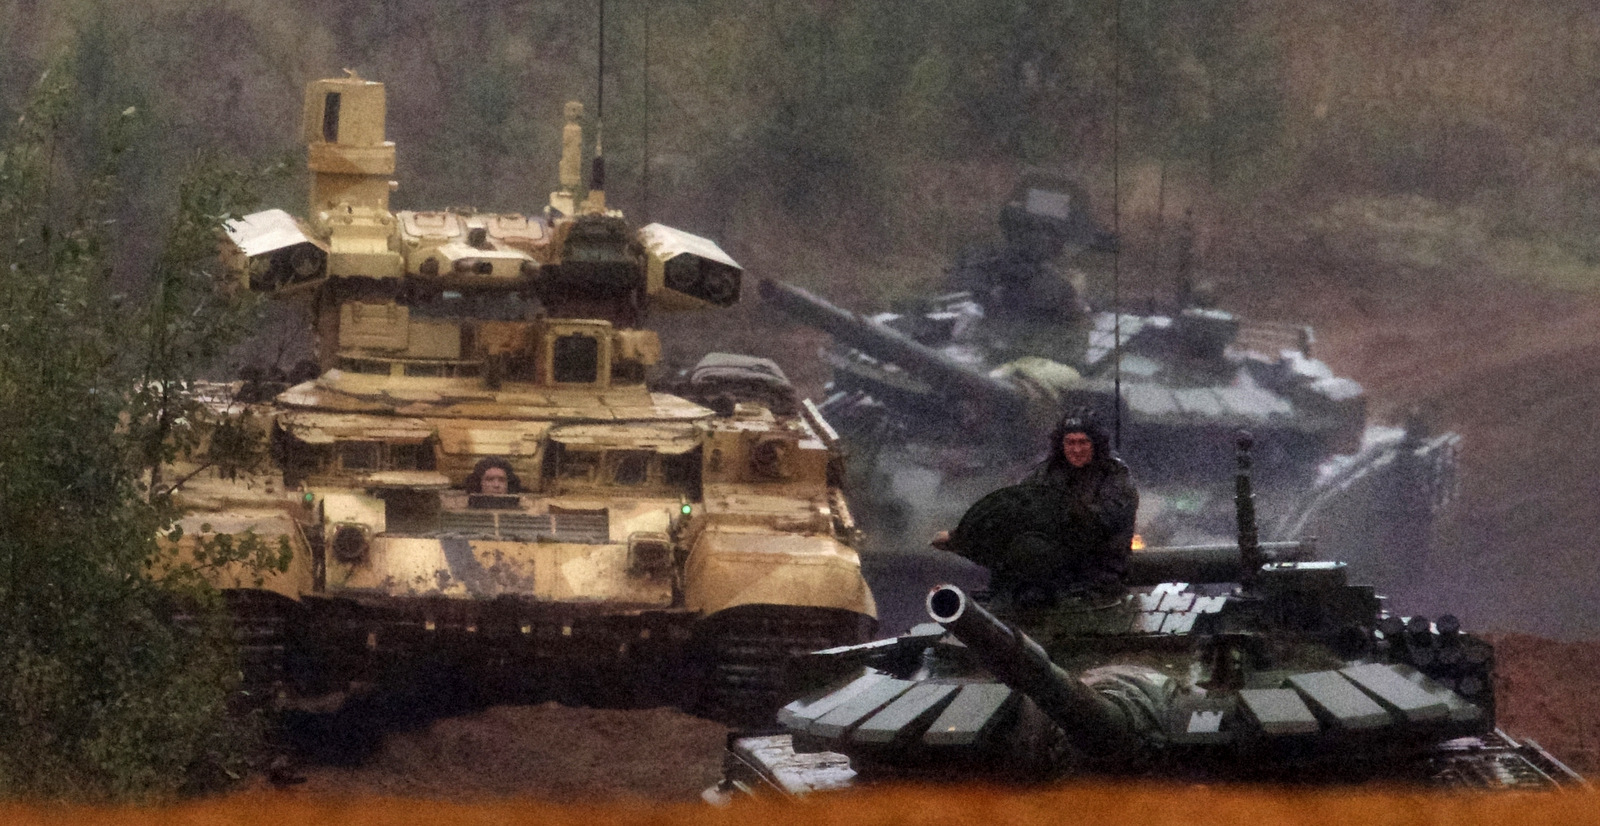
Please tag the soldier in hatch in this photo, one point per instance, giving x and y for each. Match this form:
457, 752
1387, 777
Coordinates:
1065, 530
493, 475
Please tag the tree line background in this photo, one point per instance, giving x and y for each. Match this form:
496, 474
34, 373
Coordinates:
893, 128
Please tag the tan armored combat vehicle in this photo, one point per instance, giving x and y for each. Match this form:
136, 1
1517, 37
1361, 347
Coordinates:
652, 543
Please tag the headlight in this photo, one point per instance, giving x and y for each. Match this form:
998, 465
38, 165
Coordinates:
649, 553
350, 544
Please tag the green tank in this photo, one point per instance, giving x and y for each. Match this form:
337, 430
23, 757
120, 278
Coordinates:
1268, 669
647, 547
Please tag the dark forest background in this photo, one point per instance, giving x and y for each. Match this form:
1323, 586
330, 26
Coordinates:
892, 129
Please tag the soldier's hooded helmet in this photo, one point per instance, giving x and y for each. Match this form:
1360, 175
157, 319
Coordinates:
1079, 421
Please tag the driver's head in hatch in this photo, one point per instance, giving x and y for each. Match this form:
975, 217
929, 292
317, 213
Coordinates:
493, 475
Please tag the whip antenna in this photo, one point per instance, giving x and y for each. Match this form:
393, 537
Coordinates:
1116, 224
597, 174
645, 183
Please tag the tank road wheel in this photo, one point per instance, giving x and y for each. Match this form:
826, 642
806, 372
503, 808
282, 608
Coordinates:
740, 656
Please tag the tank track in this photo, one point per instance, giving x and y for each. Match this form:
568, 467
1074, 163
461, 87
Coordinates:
258, 629
1497, 762
260, 632
745, 653
507, 651
761, 763
737, 664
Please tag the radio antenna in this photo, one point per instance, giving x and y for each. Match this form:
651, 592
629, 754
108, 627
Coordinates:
645, 166
1116, 223
597, 174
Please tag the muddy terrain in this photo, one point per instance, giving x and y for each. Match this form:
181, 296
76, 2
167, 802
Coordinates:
1516, 370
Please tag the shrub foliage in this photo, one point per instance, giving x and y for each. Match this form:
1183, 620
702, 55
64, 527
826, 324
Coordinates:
104, 692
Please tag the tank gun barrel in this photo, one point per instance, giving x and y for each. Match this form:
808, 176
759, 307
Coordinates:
1250, 556
1090, 720
891, 346
1208, 563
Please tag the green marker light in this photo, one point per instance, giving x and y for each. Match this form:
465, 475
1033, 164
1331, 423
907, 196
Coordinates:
308, 497
686, 508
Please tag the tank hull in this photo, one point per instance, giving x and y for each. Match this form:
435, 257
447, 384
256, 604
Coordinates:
1189, 682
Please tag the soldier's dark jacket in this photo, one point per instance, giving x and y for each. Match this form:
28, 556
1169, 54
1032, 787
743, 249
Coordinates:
1098, 503
1062, 526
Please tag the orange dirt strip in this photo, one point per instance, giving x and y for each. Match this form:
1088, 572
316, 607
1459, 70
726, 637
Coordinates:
1087, 805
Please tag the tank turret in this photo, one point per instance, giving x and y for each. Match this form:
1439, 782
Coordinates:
577, 257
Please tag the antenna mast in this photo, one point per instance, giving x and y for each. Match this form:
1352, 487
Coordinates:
1116, 224
645, 166
597, 173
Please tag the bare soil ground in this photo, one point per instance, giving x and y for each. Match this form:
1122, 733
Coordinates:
548, 751
1547, 692
1516, 370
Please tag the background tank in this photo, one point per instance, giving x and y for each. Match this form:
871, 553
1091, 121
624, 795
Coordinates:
1276, 670
1024, 278
655, 549
949, 398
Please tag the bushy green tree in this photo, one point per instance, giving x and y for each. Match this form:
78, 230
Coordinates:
104, 692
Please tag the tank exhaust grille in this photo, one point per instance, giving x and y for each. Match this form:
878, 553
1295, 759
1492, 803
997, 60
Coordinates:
582, 527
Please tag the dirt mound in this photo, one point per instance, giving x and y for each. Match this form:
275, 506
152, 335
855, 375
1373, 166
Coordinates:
1517, 372
1429, 312
549, 751
1550, 691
